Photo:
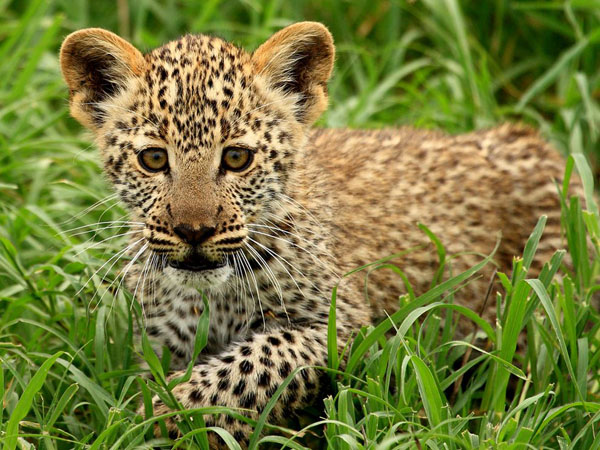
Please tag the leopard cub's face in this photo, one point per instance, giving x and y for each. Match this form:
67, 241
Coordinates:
199, 137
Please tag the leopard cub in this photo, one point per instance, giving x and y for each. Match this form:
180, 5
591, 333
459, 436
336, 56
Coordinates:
211, 149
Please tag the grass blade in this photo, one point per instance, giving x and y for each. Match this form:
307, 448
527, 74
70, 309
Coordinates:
24, 404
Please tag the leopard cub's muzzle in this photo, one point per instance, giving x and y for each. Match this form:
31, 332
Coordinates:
195, 260
184, 247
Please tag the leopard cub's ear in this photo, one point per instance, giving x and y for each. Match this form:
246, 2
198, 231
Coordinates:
96, 64
299, 60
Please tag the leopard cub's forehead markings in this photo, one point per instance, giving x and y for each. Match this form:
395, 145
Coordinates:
200, 89
194, 92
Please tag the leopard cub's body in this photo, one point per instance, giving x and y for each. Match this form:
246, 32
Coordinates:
211, 149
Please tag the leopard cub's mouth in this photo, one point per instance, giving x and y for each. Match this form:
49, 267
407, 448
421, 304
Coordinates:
195, 262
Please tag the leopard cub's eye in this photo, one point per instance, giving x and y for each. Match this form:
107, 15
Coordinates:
236, 159
154, 159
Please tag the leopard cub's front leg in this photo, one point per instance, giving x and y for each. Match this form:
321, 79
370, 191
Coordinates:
246, 375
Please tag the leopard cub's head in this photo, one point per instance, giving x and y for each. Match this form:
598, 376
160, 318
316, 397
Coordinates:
198, 136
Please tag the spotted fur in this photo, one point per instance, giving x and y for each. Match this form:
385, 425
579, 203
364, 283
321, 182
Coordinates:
312, 205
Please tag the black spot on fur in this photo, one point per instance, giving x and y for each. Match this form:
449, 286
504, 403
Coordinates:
274, 341
196, 396
246, 367
239, 388
248, 401
264, 379
285, 369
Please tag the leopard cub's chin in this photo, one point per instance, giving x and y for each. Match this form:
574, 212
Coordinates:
203, 279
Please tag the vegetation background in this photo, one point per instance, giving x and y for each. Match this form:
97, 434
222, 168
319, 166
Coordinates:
69, 377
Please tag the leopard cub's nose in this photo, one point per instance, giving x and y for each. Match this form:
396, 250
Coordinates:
193, 235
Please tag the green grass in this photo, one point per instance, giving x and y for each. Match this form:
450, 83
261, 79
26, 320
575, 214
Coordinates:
69, 377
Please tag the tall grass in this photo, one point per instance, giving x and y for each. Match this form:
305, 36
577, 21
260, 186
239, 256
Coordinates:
69, 377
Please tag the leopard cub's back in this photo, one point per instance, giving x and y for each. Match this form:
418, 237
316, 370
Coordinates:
465, 188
